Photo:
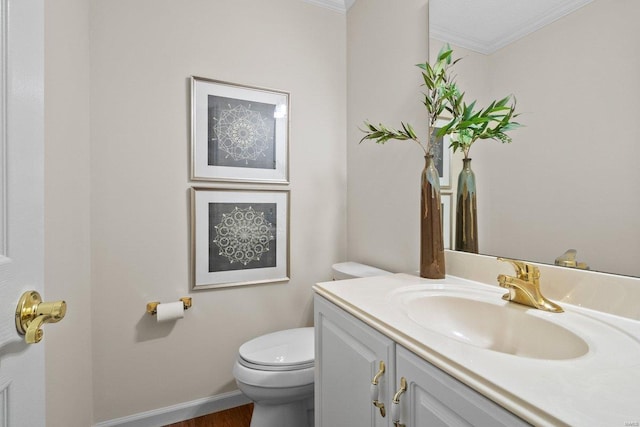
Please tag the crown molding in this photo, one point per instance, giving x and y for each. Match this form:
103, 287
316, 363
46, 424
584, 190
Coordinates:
511, 33
340, 6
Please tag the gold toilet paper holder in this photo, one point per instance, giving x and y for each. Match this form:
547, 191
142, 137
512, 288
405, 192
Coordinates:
152, 307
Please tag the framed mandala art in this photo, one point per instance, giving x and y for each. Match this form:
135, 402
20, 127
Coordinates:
239, 237
238, 133
442, 156
447, 232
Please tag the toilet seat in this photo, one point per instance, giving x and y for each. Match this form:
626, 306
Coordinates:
288, 350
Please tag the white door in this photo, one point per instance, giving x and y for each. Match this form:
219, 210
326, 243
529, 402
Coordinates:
21, 206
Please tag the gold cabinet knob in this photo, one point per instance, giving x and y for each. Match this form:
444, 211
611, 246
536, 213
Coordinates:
32, 313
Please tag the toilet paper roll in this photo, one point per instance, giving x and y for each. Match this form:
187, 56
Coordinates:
170, 311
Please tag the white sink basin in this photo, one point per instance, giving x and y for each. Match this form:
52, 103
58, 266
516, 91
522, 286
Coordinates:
505, 327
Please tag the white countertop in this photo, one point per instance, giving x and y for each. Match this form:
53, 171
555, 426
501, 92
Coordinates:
602, 387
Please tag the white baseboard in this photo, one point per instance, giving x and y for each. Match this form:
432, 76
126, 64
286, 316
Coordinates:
180, 412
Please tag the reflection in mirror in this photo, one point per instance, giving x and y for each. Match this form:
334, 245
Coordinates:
570, 178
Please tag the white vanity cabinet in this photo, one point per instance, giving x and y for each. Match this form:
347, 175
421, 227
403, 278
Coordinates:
348, 356
348, 353
434, 398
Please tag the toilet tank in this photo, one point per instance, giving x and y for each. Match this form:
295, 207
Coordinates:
353, 270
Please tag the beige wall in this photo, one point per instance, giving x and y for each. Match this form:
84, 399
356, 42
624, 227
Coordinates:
142, 54
385, 41
67, 243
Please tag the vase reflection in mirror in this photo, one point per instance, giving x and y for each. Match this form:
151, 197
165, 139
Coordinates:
431, 240
466, 210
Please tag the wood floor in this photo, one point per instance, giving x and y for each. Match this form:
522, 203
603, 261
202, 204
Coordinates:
234, 417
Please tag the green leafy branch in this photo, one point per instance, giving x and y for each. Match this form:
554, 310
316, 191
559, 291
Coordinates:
440, 85
440, 90
382, 134
442, 95
470, 124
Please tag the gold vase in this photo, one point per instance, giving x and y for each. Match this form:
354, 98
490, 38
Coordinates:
466, 210
431, 241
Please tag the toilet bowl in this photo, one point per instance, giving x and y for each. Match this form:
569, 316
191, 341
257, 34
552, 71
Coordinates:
276, 371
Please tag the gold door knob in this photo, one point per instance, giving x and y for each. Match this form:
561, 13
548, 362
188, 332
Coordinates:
32, 313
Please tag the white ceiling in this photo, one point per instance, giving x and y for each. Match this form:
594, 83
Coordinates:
488, 25
483, 25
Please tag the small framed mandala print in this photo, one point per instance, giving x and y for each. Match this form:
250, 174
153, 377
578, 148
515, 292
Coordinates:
442, 155
238, 133
445, 202
239, 237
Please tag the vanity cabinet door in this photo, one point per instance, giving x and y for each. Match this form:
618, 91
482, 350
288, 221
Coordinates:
348, 355
434, 398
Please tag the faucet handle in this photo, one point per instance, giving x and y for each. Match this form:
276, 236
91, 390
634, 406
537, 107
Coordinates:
568, 259
524, 270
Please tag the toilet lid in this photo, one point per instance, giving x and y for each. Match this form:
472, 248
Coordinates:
289, 349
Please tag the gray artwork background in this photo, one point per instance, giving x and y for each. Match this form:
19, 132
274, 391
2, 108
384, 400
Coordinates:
217, 156
218, 262
438, 152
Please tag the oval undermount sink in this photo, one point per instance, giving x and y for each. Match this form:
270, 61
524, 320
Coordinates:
507, 328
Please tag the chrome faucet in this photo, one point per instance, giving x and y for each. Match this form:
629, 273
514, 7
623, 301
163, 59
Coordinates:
525, 288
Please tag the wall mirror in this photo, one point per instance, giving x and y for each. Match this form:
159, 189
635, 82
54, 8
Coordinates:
570, 179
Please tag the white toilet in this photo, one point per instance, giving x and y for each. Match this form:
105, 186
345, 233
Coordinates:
276, 370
